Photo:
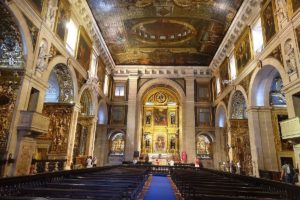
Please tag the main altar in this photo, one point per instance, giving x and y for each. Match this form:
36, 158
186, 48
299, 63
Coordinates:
160, 137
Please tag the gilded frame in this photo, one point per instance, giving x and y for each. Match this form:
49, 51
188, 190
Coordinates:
61, 19
265, 12
84, 49
245, 41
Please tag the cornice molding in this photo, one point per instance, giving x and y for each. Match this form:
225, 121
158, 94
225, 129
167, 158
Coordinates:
241, 20
144, 71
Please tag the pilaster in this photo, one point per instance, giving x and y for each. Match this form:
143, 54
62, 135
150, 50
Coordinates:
131, 143
188, 136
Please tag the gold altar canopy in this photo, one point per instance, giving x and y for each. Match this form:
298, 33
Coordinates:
160, 121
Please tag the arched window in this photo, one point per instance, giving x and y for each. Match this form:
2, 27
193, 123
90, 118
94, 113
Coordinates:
52, 93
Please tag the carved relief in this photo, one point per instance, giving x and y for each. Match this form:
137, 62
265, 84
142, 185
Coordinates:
59, 127
290, 57
282, 12
42, 56
11, 53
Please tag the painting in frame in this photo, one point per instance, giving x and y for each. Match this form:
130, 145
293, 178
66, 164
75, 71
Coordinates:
117, 115
62, 18
38, 5
243, 50
268, 22
224, 72
160, 117
84, 49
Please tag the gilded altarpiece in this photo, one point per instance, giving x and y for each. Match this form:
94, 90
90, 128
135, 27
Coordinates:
9, 85
240, 144
160, 122
59, 127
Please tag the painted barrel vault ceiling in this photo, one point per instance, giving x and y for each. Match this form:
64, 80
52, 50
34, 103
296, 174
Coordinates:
163, 32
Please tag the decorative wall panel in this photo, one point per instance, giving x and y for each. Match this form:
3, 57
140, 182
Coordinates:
11, 50
59, 127
33, 31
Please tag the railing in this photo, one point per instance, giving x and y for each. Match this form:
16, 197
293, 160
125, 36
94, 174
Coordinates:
42, 166
33, 121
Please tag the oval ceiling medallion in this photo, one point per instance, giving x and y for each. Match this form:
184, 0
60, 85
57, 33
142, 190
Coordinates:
164, 31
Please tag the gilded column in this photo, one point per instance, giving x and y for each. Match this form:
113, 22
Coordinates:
131, 118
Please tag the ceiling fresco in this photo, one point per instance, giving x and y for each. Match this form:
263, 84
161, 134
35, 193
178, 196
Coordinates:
163, 32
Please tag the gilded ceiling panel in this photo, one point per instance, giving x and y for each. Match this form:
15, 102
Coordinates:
163, 32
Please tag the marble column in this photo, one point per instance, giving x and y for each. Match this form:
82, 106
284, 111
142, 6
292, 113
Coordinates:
72, 133
188, 134
262, 141
131, 143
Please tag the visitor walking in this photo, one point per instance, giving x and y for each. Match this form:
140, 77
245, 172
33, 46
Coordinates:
89, 162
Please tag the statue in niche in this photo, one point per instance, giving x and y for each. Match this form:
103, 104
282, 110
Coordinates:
291, 58
172, 143
50, 16
42, 57
172, 118
147, 141
148, 118
281, 11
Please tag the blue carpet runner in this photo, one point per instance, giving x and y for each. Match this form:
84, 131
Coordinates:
160, 189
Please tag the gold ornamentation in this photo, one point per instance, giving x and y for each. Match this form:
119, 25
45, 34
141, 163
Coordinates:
59, 127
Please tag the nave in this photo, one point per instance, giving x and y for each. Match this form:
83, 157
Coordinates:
128, 182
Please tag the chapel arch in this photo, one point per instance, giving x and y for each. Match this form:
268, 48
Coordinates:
160, 119
238, 135
268, 101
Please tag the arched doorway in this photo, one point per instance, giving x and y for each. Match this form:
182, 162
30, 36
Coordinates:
116, 145
160, 124
238, 139
58, 106
269, 103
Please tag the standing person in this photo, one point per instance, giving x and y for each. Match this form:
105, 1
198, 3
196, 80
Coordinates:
89, 162
94, 161
287, 173
238, 167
